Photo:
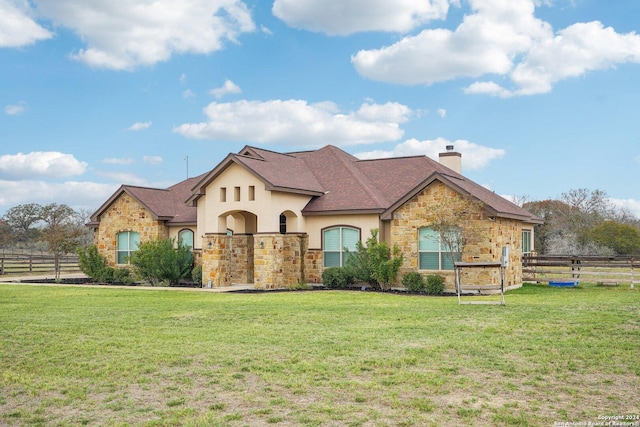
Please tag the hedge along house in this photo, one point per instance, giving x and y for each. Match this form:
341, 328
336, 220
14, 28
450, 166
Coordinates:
278, 219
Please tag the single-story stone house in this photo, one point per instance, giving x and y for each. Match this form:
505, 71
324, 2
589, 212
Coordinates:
278, 219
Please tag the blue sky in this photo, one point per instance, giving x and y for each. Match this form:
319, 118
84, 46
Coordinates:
539, 96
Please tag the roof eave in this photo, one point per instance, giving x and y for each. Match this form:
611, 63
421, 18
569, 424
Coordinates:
270, 187
376, 211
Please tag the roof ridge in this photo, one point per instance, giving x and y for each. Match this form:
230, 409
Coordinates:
362, 179
265, 150
250, 157
142, 187
392, 158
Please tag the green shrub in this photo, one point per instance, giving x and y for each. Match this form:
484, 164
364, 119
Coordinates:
337, 277
159, 262
435, 284
107, 275
414, 282
375, 262
196, 274
122, 275
92, 263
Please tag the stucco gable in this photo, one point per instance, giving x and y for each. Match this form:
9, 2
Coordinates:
278, 172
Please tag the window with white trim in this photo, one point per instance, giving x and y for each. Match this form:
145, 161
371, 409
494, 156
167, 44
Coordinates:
526, 242
337, 244
432, 253
127, 242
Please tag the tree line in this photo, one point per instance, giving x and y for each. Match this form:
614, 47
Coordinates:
584, 222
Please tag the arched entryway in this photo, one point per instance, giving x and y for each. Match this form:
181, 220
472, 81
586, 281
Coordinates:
240, 227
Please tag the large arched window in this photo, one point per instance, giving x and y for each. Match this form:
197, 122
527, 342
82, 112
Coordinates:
336, 241
186, 237
432, 253
128, 242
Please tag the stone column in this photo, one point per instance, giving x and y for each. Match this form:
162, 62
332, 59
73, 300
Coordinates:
242, 258
216, 260
278, 260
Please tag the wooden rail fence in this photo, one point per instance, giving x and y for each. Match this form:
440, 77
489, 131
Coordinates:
42, 263
593, 269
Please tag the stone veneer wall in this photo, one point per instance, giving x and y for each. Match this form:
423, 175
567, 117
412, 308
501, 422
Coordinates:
269, 261
278, 260
126, 214
216, 260
313, 265
242, 258
497, 233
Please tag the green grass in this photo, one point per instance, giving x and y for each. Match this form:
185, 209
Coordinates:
94, 356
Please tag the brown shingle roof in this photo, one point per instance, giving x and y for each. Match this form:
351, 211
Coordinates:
164, 204
382, 185
336, 180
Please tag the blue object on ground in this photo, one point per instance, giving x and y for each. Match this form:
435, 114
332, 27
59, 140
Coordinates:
562, 284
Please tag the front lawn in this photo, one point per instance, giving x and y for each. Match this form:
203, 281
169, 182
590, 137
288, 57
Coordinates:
97, 356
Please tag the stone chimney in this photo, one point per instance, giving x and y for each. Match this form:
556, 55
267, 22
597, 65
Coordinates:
451, 159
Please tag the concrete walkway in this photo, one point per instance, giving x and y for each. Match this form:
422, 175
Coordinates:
19, 280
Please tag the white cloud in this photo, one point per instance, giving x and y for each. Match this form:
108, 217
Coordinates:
350, 16
152, 160
442, 112
77, 195
485, 42
15, 109
188, 93
118, 161
297, 122
575, 50
488, 88
140, 126
228, 87
125, 34
504, 38
50, 164
17, 27
474, 156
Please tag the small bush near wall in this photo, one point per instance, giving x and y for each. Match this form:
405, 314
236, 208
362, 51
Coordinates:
337, 277
435, 284
413, 282
196, 274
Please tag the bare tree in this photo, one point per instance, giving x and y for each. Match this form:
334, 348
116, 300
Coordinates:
456, 219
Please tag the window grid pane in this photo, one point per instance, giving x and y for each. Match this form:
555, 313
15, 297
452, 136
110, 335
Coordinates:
431, 255
428, 239
339, 244
332, 239
429, 261
350, 238
332, 259
526, 241
127, 242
